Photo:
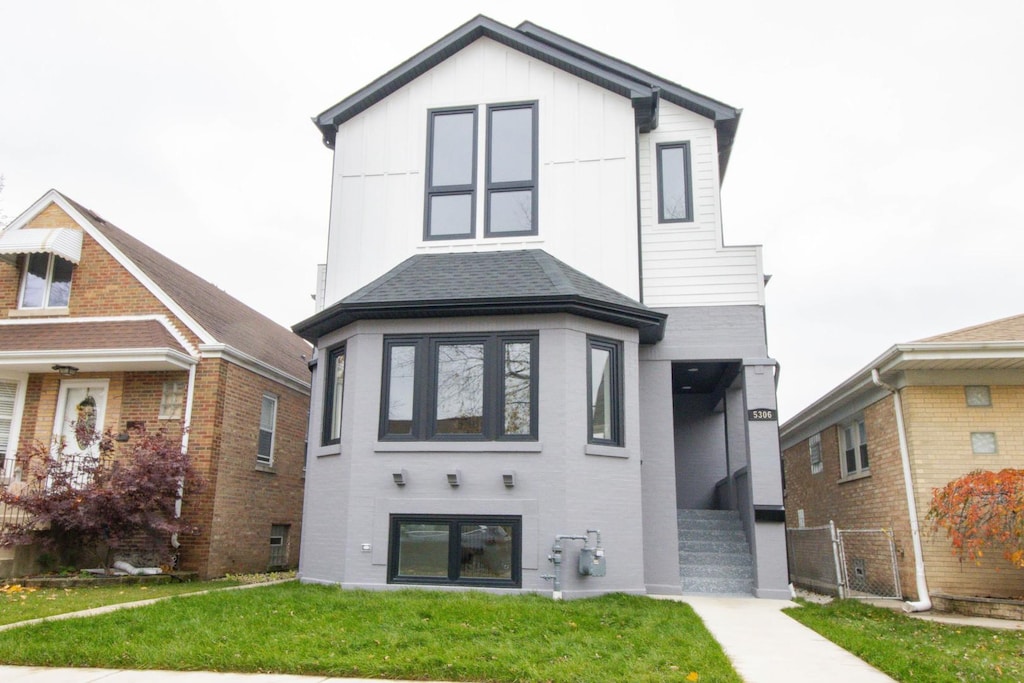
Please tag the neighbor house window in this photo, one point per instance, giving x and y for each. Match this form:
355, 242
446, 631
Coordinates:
334, 392
475, 551
604, 392
46, 282
978, 396
268, 418
511, 207
278, 546
983, 443
8, 401
171, 400
674, 187
451, 174
469, 387
814, 444
855, 448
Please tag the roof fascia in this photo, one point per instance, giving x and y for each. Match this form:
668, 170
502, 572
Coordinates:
31, 212
255, 365
649, 323
478, 27
129, 265
81, 357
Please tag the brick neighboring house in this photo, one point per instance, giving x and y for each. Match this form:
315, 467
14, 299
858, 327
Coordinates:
962, 403
530, 326
146, 341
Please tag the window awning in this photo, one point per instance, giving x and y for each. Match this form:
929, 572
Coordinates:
64, 242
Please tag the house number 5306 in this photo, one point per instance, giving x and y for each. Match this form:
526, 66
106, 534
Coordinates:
762, 414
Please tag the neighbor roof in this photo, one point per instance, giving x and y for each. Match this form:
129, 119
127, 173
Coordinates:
226, 318
996, 345
640, 86
484, 284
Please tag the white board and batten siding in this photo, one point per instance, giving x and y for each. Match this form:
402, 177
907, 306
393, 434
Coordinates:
687, 264
587, 190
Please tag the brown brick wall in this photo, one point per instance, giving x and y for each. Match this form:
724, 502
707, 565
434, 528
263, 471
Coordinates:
939, 426
871, 502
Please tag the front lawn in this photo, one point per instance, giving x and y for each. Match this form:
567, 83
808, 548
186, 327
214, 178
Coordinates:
911, 649
304, 629
21, 604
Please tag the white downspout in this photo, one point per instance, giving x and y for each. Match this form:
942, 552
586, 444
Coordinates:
189, 400
924, 602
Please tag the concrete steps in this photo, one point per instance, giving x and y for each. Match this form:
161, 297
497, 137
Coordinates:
714, 556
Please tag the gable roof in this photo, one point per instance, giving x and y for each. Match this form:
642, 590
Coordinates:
643, 88
217, 318
485, 284
996, 345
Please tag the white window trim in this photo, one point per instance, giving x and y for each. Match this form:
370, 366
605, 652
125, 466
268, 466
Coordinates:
860, 470
46, 290
8, 470
269, 461
817, 464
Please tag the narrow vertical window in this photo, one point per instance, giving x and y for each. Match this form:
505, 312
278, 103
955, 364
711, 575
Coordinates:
8, 399
674, 186
451, 174
333, 394
517, 395
46, 282
268, 419
604, 390
278, 546
814, 445
401, 374
855, 448
511, 206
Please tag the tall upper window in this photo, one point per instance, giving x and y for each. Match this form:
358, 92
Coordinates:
268, 421
8, 399
855, 448
814, 445
604, 392
510, 172
460, 387
333, 395
46, 282
451, 174
511, 206
674, 186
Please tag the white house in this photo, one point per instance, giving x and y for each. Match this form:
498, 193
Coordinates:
534, 351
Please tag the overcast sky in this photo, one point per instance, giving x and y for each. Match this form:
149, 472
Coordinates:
879, 159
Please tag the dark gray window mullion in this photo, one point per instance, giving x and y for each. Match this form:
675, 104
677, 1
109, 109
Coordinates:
442, 176
504, 187
675, 183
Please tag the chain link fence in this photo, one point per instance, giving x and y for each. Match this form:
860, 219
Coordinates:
848, 563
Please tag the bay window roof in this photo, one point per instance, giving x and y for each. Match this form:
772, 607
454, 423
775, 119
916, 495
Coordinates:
482, 284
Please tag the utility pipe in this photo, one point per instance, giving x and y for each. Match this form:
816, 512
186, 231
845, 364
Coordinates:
189, 400
924, 602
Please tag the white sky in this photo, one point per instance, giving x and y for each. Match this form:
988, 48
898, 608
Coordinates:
878, 160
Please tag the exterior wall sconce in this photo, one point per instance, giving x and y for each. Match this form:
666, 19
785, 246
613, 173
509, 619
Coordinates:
509, 478
455, 478
401, 477
65, 370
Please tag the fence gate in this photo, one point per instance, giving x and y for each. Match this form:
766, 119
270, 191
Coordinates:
849, 563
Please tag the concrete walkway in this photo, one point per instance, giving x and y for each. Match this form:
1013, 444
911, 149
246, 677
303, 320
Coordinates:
767, 646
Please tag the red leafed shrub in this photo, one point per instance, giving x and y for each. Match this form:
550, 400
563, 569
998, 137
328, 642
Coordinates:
982, 510
109, 493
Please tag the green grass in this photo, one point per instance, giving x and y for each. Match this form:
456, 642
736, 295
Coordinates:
911, 649
304, 629
28, 603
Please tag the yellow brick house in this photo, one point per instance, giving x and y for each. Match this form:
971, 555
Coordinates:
870, 452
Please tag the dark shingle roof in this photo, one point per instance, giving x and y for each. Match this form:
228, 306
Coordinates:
483, 284
229, 320
66, 336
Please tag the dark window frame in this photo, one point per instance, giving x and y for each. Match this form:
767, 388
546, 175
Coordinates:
424, 422
454, 523
492, 187
326, 436
617, 426
688, 166
450, 190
